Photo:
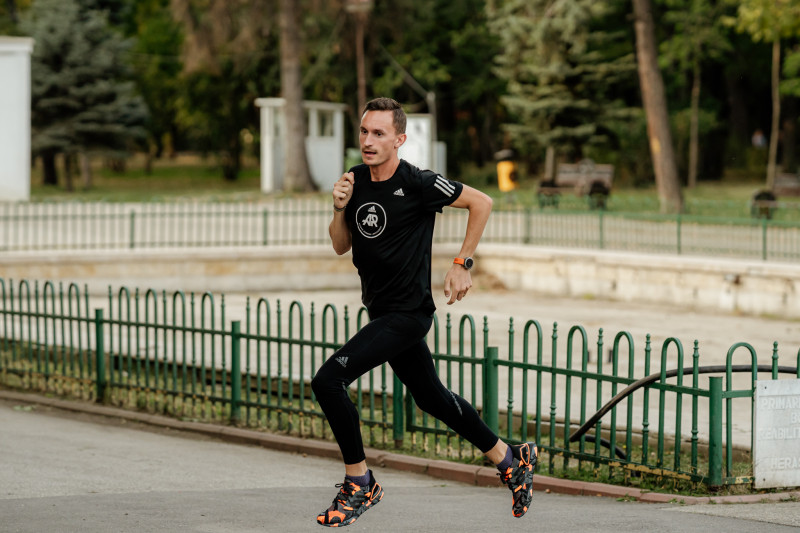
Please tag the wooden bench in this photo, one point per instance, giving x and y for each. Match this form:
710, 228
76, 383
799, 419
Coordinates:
584, 178
787, 184
763, 204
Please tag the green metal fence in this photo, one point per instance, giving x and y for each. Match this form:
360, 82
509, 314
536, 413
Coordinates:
76, 226
191, 356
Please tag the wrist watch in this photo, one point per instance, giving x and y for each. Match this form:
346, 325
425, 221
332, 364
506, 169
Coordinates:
466, 262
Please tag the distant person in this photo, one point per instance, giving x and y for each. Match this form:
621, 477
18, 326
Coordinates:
758, 139
384, 210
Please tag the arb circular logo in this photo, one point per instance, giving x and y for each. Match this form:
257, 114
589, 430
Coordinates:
371, 220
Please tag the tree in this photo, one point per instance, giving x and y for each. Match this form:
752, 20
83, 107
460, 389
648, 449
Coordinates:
229, 54
770, 21
698, 36
82, 99
297, 175
157, 71
655, 104
565, 73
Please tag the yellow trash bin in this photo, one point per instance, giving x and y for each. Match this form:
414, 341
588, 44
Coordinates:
506, 175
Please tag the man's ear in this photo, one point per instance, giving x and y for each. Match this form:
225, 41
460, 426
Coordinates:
400, 140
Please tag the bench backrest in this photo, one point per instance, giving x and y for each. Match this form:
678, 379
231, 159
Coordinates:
582, 175
787, 184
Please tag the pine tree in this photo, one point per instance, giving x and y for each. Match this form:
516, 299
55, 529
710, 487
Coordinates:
564, 72
82, 99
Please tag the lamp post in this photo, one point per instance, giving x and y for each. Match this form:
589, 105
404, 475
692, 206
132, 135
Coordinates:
360, 10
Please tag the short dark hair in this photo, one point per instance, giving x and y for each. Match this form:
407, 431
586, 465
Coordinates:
388, 104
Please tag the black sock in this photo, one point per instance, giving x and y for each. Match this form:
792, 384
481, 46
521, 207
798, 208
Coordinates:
503, 465
361, 481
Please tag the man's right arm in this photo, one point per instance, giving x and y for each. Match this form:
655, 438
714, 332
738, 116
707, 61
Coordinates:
340, 234
339, 231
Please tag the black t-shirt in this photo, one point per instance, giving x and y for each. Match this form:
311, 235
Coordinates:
391, 223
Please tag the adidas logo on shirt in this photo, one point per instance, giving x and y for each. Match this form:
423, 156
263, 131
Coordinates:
444, 185
399, 192
342, 360
371, 209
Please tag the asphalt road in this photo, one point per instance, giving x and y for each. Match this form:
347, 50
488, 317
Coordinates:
65, 472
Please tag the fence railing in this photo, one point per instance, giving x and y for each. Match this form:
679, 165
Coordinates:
85, 226
191, 356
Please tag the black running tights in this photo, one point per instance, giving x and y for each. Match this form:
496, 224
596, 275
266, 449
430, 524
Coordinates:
396, 338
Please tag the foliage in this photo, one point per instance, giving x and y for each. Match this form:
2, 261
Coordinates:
157, 66
568, 68
82, 96
228, 53
767, 20
791, 70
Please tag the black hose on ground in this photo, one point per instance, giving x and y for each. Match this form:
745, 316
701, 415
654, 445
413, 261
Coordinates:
644, 382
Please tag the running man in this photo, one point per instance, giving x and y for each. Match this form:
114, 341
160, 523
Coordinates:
384, 210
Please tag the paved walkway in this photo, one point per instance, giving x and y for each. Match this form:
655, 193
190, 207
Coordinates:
73, 470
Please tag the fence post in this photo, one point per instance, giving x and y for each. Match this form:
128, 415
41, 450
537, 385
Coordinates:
601, 229
528, 224
236, 371
679, 236
715, 432
491, 413
264, 227
132, 232
764, 239
100, 357
397, 415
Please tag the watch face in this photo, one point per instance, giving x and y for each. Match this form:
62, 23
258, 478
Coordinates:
468, 262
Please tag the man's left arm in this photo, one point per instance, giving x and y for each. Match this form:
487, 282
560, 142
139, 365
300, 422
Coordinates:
458, 279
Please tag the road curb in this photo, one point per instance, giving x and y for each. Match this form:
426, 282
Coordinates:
441, 469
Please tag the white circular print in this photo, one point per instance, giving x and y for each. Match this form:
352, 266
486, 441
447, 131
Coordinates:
371, 220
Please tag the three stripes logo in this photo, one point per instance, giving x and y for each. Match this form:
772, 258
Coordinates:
399, 192
444, 185
342, 360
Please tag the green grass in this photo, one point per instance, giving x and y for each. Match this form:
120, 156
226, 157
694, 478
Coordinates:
184, 178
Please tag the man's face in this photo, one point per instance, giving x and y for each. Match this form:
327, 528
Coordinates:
378, 138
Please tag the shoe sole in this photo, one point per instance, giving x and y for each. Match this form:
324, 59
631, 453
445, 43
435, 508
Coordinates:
531, 461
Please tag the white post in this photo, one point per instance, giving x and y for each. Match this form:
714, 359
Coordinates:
15, 118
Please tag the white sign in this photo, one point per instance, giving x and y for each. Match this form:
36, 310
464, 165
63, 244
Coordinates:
776, 443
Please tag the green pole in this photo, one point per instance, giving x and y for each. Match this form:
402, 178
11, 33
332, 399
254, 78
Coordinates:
397, 416
764, 239
715, 432
491, 413
236, 371
528, 224
100, 356
601, 229
133, 229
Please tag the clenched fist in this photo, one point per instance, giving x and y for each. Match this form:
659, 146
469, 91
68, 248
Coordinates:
343, 190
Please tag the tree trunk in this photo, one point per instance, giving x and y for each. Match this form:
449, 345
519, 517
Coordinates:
776, 113
789, 135
49, 170
86, 171
694, 127
11, 7
361, 21
69, 166
549, 163
655, 104
297, 176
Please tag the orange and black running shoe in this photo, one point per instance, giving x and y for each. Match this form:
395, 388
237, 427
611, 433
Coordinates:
350, 503
519, 476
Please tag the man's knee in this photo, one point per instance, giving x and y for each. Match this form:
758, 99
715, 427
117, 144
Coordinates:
326, 383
